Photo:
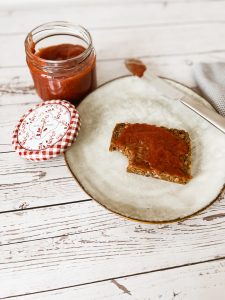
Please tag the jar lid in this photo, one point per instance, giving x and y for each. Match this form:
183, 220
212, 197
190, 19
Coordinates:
46, 130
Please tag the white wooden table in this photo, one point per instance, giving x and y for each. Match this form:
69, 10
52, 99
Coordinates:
55, 242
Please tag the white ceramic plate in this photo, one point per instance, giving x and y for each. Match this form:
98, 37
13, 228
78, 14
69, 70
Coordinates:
103, 174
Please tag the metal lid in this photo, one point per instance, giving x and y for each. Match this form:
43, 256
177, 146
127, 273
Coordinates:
46, 130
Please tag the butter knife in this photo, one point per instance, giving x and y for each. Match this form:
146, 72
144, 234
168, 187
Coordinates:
171, 92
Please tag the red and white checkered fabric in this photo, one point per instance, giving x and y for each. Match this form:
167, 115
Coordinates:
46, 130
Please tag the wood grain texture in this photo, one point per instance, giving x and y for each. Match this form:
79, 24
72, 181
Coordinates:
25, 184
50, 248
136, 14
196, 282
11, 5
17, 228
153, 42
16, 82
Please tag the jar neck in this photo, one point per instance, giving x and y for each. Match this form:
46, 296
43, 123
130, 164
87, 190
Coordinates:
55, 29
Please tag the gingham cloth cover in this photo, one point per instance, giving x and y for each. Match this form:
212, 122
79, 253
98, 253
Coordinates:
58, 147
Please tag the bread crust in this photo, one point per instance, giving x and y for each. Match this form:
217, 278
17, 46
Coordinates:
147, 171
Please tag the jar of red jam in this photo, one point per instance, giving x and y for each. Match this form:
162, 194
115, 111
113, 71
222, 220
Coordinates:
62, 61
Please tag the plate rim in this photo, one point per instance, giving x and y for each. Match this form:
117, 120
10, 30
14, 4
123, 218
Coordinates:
218, 197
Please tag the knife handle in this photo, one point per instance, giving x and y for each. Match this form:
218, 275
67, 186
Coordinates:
209, 115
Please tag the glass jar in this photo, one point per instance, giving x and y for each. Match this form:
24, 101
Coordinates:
62, 61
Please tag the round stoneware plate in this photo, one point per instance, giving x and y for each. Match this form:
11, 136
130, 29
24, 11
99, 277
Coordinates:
103, 174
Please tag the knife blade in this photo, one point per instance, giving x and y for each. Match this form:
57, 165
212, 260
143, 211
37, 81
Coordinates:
170, 92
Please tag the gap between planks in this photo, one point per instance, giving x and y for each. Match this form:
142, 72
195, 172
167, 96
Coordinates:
158, 42
117, 59
42, 206
113, 279
128, 27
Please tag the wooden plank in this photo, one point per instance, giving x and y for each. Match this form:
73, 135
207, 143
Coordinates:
71, 219
150, 42
96, 16
28, 184
201, 281
16, 82
26, 4
76, 244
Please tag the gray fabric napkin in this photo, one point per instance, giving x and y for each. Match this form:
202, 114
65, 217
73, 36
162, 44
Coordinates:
210, 78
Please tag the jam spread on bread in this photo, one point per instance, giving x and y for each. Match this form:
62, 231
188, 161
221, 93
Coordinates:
154, 150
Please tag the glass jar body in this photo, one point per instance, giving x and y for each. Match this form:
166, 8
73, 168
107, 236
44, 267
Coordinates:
67, 79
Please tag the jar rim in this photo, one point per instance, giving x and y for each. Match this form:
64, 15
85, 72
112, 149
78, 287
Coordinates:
29, 43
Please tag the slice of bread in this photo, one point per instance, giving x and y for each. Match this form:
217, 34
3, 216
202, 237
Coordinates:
138, 153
